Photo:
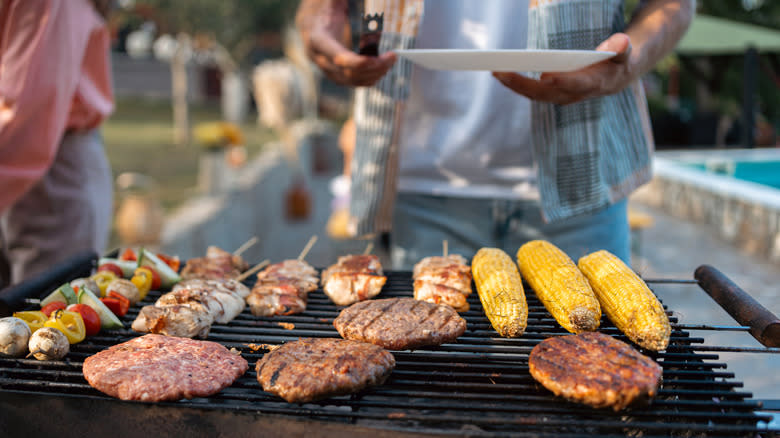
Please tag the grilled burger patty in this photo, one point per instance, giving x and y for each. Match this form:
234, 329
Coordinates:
157, 368
400, 323
595, 369
313, 369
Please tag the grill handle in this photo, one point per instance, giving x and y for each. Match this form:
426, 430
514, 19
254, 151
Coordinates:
764, 325
12, 298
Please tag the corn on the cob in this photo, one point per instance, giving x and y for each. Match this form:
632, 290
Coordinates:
627, 300
500, 290
560, 286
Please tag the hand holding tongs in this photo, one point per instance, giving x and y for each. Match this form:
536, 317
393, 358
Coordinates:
366, 29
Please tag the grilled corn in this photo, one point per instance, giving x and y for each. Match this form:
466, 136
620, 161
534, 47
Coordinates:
500, 290
560, 286
627, 300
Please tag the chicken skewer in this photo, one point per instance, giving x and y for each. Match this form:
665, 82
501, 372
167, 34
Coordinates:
217, 264
443, 279
194, 304
354, 278
283, 288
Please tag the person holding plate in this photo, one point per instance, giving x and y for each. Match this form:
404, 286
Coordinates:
480, 158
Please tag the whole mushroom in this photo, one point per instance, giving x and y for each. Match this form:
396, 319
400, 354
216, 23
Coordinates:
48, 343
126, 288
14, 335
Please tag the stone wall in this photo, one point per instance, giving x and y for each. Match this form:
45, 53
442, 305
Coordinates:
740, 213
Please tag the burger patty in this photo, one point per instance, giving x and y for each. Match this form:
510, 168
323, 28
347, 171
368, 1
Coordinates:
594, 369
312, 369
156, 368
400, 323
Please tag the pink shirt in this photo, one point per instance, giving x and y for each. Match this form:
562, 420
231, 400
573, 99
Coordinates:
54, 76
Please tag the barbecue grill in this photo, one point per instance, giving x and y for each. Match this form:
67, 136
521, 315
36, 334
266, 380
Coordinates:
477, 386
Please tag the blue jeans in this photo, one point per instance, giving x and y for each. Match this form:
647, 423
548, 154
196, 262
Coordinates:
422, 222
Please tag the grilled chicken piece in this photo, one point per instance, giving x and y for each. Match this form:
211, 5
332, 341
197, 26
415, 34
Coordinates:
229, 293
198, 299
353, 278
282, 288
176, 320
218, 264
229, 285
208, 301
296, 272
276, 299
595, 369
222, 304
443, 280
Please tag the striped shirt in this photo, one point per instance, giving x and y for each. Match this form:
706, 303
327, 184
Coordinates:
587, 155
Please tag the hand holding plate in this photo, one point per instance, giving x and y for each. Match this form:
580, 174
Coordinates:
600, 79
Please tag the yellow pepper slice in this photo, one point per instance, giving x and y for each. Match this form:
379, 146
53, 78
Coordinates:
69, 323
33, 318
142, 279
103, 279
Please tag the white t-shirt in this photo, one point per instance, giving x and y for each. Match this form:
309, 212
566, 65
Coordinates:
464, 133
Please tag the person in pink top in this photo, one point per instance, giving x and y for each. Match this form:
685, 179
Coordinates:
55, 90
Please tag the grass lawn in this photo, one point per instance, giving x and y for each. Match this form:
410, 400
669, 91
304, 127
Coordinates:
139, 138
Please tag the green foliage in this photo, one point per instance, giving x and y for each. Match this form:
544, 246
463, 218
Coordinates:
723, 74
233, 23
764, 13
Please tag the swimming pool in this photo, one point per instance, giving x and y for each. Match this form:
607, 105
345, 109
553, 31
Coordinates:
757, 171
735, 192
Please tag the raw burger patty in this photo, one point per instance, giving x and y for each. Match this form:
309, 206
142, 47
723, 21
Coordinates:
400, 323
313, 369
156, 368
595, 369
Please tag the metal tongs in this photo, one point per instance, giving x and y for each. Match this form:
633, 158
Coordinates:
366, 29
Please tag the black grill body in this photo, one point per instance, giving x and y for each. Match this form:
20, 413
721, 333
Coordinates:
477, 386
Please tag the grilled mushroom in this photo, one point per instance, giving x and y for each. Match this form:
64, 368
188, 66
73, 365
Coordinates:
14, 334
48, 343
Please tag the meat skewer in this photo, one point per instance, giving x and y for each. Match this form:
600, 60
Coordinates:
353, 278
217, 264
283, 288
192, 307
443, 279
194, 304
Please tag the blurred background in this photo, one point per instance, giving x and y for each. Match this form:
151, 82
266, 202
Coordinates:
182, 66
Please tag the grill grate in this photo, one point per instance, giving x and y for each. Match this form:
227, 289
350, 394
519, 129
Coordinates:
478, 386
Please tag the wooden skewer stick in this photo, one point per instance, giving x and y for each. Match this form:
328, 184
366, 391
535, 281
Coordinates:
369, 248
307, 248
444, 247
248, 244
252, 270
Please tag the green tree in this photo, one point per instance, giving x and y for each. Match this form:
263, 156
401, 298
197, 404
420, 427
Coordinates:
722, 75
234, 24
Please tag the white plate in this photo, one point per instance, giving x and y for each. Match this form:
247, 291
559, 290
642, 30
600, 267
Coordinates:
505, 60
